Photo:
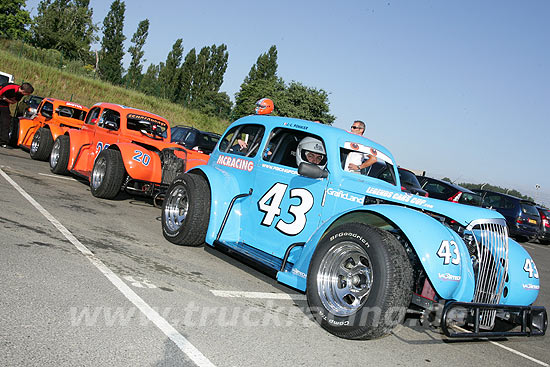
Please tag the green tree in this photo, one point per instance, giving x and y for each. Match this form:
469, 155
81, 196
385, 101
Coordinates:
265, 67
138, 39
186, 77
169, 74
112, 49
66, 26
149, 84
306, 103
14, 19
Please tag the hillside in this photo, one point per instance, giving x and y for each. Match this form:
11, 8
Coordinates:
52, 82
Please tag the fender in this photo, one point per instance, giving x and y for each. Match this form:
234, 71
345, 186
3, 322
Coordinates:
27, 129
140, 163
452, 280
523, 277
195, 159
80, 147
220, 200
56, 130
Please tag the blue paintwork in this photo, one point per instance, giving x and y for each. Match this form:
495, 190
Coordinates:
335, 198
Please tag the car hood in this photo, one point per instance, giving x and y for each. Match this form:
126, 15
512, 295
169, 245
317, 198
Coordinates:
461, 213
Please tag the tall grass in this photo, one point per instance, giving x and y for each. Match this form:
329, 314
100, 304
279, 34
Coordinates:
53, 82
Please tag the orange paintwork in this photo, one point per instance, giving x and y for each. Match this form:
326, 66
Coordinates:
139, 151
57, 124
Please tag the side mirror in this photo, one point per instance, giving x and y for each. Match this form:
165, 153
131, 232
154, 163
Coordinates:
311, 171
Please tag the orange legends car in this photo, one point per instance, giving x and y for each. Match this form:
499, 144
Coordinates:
122, 148
53, 118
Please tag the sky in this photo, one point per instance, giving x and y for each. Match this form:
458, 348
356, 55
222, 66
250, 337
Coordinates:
459, 89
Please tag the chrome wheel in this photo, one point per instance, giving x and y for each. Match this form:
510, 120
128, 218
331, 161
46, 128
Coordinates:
98, 172
35, 142
345, 278
54, 157
176, 208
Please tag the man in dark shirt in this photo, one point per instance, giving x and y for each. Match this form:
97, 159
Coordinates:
10, 94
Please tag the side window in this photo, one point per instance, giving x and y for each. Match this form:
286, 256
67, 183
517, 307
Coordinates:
47, 110
190, 138
282, 148
177, 134
243, 140
91, 119
109, 117
508, 203
493, 200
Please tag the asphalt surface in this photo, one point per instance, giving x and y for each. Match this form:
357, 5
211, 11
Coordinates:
93, 282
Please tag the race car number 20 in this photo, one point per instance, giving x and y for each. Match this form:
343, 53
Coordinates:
270, 204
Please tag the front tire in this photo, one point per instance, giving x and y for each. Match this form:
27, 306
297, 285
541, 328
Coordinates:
41, 145
186, 210
107, 174
59, 158
359, 282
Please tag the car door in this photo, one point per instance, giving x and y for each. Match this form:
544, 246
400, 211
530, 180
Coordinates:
285, 207
106, 133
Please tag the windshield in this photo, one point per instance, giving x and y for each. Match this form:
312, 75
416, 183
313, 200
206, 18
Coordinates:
529, 209
470, 199
408, 178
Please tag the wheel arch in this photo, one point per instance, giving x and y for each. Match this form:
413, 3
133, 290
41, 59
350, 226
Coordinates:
421, 232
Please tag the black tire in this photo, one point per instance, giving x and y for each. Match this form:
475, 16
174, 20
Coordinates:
41, 145
186, 210
107, 174
59, 157
359, 282
13, 134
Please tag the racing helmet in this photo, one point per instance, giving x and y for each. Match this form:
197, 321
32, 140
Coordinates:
311, 150
264, 106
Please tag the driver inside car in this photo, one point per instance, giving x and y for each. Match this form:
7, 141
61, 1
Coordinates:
311, 150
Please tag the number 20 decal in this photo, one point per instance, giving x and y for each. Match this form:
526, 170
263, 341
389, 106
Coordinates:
141, 157
270, 204
444, 252
530, 268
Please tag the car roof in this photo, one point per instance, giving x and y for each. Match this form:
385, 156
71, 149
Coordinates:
333, 136
455, 186
524, 201
209, 133
66, 103
129, 109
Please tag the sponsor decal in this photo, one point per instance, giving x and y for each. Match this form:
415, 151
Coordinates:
295, 125
71, 104
350, 234
280, 169
448, 276
238, 163
399, 196
345, 195
145, 118
534, 287
298, 273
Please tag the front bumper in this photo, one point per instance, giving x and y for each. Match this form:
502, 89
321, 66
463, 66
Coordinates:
531, 320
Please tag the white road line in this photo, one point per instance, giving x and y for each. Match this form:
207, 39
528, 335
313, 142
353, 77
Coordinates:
262, 295
193, 353
57, 176
509, 349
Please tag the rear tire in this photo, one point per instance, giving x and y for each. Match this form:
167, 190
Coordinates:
41, 145
186, 210
107, 174
359, 282
59, 157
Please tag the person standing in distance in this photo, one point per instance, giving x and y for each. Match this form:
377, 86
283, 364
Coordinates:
357, 161
10, 94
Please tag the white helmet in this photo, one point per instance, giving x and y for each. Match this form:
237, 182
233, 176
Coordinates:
311, 145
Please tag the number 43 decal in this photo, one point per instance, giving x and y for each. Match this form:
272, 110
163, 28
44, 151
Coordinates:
270, 204
444, 252
530, 268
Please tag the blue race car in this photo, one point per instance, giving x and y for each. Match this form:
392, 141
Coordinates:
282, 193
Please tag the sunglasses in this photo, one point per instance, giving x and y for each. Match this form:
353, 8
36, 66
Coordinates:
356, 127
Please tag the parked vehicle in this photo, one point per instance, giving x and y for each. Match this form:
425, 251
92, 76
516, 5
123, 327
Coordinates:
28, 106
443, 190
5, 78
522, 216
363, 251
544, 229
122, 148
383, 171
53, 118
195, 139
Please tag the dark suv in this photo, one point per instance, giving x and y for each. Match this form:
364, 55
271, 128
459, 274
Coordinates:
444, 190
195, 139
544, 229
384, 171
522, 216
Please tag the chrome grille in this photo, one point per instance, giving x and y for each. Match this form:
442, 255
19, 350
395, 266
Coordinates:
491, 269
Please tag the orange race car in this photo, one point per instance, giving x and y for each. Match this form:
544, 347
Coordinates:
122, 148
53, 118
